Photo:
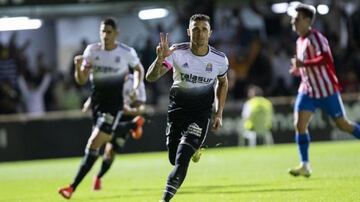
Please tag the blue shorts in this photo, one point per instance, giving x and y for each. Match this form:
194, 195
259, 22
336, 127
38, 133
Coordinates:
332, 105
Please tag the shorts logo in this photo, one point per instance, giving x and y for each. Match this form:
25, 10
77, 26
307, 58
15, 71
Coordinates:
209, 67
195, 130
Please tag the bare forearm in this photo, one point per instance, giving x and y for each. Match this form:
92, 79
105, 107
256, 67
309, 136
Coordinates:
221, 94
156, 70
138, 75
81, 75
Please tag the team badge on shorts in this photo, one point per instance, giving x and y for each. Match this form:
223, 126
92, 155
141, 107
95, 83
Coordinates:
195, 129
208, 67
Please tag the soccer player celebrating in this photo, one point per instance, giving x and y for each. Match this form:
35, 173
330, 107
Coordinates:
106, 64
197, 69
134, 105
319, 87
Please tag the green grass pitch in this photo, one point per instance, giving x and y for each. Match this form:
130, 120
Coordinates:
222, 175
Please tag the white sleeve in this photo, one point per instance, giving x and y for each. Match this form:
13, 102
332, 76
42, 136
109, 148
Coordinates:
133, 59
224, 68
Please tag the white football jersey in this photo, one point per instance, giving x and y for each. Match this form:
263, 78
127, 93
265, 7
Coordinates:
128, 86
108, 72
108, 65
194, 77
190, 70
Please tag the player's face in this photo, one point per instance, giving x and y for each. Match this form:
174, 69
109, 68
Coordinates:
199, 32
108, 35
300, 24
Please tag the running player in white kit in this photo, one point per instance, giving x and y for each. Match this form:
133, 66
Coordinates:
199, 73
106, 64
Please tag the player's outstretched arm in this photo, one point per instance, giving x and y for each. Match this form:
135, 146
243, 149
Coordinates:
221, 93
157, 68
81, 72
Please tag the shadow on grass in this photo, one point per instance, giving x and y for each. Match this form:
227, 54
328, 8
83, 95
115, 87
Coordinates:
236, 189
200, 189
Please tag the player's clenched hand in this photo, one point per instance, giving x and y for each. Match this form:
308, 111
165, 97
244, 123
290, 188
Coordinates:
78, 60
217, 122
163, 50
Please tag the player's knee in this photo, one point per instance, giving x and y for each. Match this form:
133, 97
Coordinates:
109, 154
184, 154
192, 143
300, 127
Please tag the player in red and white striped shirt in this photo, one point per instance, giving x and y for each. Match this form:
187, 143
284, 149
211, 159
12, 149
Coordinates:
319, 86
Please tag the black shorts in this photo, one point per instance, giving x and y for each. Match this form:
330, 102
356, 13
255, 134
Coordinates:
106, 121
187, 128
120, 135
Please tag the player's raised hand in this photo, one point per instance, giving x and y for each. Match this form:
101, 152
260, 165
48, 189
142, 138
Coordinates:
163, 50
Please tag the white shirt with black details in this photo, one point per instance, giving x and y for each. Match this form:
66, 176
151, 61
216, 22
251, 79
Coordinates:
194, 77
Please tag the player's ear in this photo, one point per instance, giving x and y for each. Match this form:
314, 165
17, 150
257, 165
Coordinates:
210, 33
188, 32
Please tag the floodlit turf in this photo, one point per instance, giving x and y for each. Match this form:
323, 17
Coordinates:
222, 175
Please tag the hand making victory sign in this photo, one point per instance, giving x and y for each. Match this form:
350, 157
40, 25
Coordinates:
163, 50
159, 67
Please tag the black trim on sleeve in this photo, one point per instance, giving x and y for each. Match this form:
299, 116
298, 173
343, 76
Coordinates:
221, 75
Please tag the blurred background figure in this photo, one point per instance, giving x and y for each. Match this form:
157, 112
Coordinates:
33, 94
257, 118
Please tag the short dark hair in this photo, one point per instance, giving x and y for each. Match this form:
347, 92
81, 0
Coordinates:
307, 10
199, 17
109, 21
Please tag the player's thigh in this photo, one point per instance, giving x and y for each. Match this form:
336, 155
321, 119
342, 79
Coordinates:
174, 129
98, 138
304, 108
